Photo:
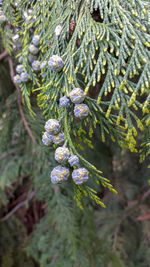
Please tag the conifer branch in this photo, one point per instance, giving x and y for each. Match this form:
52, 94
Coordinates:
3, 55
12, 73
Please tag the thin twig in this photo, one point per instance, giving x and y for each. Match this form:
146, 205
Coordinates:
116, 235
124, 217
35, 211
23, 203
145, 195
3, 55
12, 73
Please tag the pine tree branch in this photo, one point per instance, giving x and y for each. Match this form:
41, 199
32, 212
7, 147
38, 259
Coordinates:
3, 55
12, 73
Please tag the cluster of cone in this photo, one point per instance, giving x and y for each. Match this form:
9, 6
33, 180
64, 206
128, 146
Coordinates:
22, 76
55, 62
77, 97
53, 134
63, 156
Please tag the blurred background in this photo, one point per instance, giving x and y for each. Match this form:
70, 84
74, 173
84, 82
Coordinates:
41, 225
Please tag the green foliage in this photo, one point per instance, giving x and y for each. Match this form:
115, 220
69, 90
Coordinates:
67, 236
102, 43
105, 48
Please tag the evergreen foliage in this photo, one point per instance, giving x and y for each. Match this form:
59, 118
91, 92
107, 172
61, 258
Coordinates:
104, 49
103, 43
